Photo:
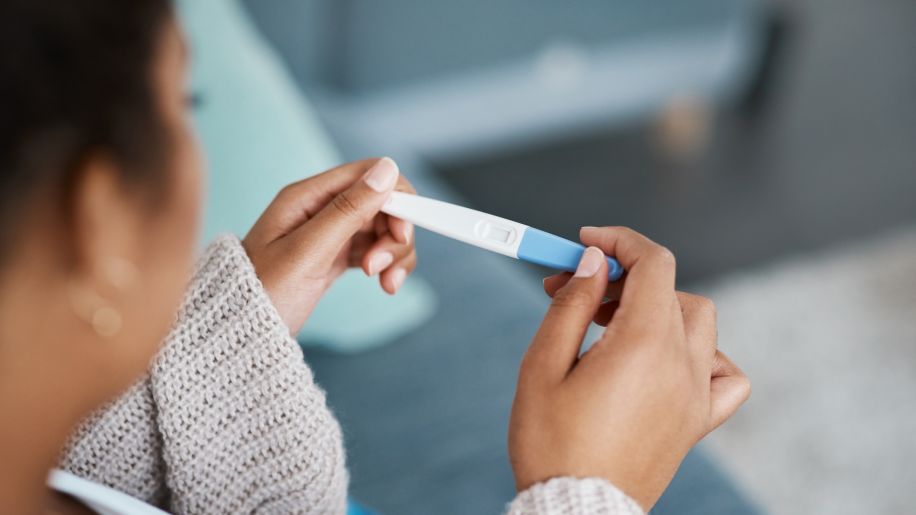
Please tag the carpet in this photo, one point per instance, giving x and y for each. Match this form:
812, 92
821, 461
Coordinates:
829, 342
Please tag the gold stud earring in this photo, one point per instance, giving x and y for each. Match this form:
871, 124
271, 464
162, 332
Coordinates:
107, 321
89, 306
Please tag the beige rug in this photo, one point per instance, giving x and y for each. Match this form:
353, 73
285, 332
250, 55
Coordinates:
829, 342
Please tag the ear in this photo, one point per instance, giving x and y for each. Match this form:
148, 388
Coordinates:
106, 221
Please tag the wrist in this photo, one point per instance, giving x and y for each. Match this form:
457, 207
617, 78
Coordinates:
566, 494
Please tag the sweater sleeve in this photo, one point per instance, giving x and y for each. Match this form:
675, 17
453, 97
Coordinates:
571, 496
119, 446
244, 426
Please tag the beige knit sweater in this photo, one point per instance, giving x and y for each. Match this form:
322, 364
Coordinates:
230, 420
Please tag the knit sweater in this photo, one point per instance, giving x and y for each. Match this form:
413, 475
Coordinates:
230, 420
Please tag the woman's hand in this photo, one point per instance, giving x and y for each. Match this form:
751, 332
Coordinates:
318, 227
630, 408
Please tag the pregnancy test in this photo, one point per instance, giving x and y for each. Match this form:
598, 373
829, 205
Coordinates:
491, 232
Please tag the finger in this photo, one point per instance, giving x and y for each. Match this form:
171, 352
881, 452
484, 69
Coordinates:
552, 283
405, 186
380, 224
393, 278
556, 345
359, 246
728, 390
699, 325
649, 288
321, 188
383, 253
295, 203
555, 282
606, 312
402, 230
347, 213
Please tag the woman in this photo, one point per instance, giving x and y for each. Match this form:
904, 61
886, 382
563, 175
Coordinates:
100, 193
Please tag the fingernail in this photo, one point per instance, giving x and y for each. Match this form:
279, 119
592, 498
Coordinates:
397, 278
382, 176
378, 262
590, 262
588, 228
408, 230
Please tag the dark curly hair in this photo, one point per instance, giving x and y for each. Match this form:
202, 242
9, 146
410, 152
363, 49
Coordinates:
76, 76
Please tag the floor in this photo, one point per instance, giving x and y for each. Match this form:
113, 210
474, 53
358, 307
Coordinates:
829, 342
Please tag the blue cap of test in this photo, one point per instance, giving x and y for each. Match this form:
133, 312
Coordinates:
552, 251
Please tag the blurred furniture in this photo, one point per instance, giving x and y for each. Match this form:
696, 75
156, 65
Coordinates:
260, 134
459, 79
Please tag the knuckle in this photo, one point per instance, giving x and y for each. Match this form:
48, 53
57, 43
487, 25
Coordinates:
405, 185
345, 205
686, 298
745, 387
664, 257
286, 191
571, 298
626, 231
408, 262
707, 306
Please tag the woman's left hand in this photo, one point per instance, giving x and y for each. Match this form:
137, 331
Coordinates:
318, 227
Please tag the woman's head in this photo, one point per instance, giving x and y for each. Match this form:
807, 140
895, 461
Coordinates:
99, 185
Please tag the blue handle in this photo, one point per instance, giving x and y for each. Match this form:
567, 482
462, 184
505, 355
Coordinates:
545, 249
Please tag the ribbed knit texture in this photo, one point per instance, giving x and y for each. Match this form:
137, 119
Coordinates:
571, 496
229, 419
120, 446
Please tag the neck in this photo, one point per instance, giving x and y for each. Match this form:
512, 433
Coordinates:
34, 430
41, 401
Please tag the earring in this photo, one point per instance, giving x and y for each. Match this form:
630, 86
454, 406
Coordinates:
90, 307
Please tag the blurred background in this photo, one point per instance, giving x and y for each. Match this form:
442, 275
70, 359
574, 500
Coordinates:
771, 145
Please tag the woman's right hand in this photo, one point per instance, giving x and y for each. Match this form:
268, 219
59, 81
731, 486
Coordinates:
631, 407
318, 227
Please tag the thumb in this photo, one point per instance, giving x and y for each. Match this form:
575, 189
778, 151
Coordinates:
556, 345
337, 222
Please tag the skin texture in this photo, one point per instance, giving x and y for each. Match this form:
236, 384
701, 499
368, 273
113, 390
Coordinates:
651, 387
